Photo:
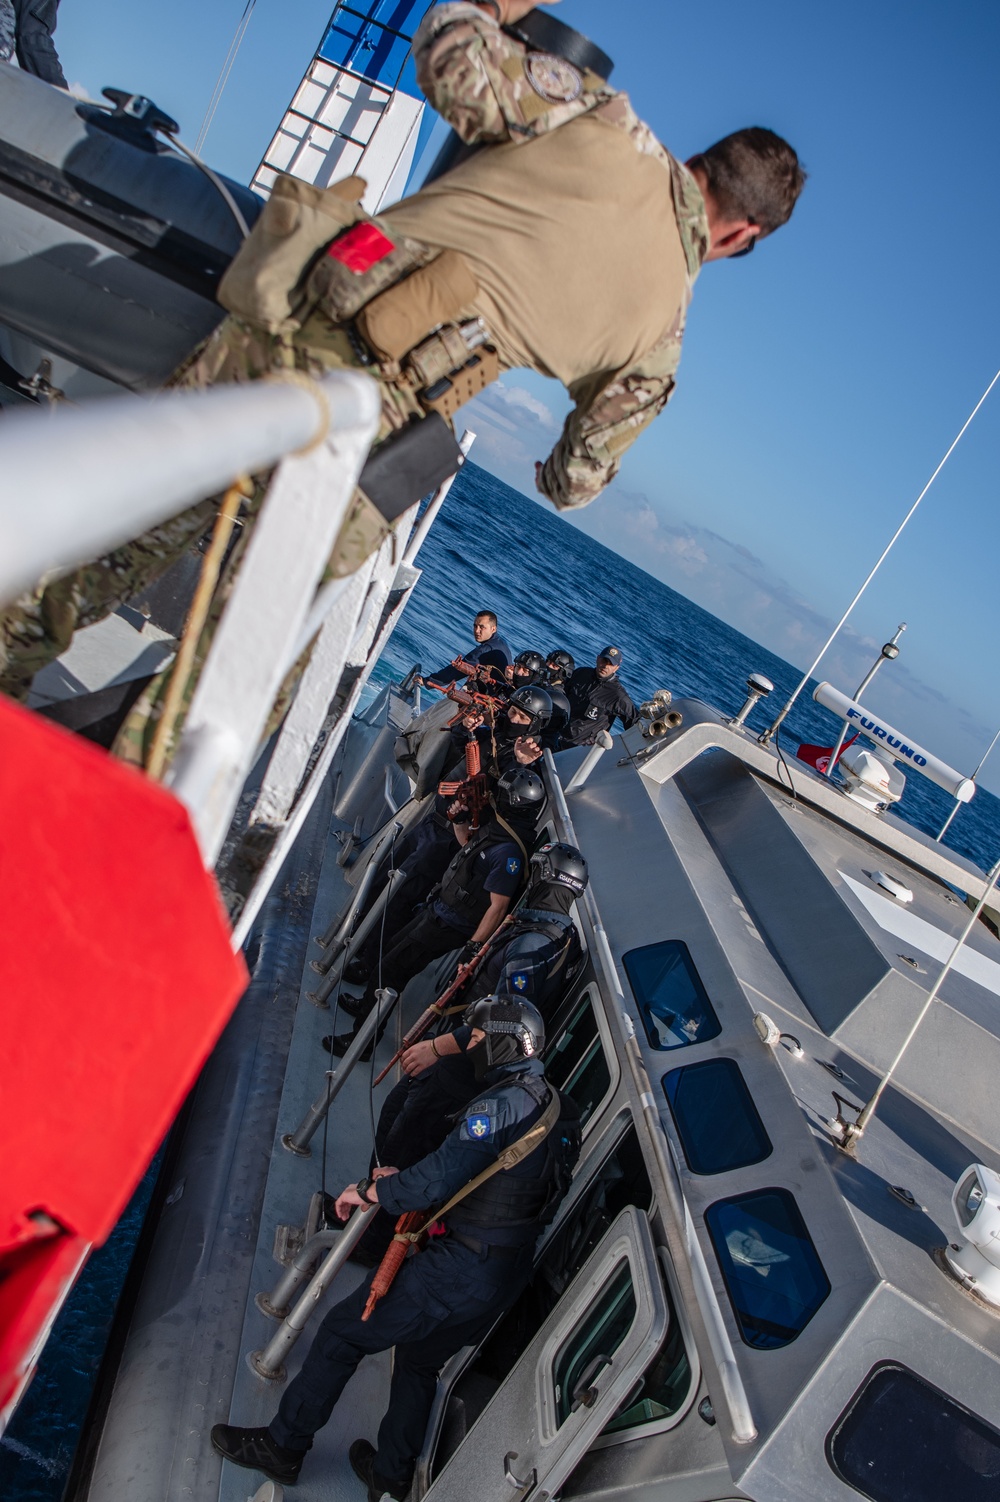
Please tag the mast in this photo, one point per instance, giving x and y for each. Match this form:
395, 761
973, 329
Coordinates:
357, 109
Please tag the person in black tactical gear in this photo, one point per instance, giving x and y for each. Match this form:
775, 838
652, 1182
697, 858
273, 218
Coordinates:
597, 699
450, 1294
559, 666
515, 736
527, 667
490, 652
533, 957
470, 901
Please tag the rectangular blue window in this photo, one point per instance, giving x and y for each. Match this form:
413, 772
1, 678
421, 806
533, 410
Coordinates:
902, 1440
715, 1117
672, 1001
772, 1271
372, 37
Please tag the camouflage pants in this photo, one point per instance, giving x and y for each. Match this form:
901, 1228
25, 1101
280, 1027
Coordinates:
39, 626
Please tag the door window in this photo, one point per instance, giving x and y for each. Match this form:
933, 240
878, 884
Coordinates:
575, 1062
594, 1343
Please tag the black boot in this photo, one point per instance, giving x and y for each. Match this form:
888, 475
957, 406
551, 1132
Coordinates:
255, 1449
339, 1043
362, 1458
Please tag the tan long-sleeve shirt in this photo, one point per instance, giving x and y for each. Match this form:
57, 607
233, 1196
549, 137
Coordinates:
585, 235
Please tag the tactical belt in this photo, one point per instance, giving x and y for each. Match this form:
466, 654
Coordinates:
479, 1247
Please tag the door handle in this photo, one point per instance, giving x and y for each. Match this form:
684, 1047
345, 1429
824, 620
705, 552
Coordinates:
583, 1395
511, 1476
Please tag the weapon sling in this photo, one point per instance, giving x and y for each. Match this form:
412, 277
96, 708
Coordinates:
408, 1228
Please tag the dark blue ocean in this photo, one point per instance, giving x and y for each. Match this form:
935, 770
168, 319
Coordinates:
551, 586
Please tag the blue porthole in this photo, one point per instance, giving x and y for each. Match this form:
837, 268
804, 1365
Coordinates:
672, 1001
771, 1269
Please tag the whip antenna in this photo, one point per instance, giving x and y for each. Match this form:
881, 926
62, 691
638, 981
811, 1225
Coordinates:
223, 78
767, 734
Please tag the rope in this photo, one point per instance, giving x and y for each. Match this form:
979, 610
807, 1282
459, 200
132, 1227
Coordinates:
197, 615
306, 382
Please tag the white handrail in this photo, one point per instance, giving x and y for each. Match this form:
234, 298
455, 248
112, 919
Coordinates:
79, 481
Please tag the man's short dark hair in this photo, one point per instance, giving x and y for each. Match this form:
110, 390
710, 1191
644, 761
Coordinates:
752, 174
486, 615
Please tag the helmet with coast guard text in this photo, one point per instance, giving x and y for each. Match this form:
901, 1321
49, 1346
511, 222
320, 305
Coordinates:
562, 865
514, 1029
560, 666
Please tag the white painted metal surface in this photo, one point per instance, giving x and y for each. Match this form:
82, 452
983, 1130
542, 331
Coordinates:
291, 542
136, 460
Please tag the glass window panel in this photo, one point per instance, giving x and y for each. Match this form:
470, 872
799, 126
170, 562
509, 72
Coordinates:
665, 1384
371, 39
574, 1059
604, 1327
901, 1440
715, 1117
672, 1001
772, 1271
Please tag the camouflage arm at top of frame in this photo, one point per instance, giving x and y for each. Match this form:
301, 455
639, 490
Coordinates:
474, 76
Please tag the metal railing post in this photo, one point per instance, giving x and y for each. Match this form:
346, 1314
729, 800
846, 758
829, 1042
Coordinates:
593, 756
374, 913
275, 1304
298, 1141
270, 1362
340, 924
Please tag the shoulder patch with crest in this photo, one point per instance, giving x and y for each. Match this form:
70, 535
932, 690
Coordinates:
513, 865
480, 1121
553, 78
519, 981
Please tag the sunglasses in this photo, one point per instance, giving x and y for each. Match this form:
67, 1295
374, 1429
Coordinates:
747, 249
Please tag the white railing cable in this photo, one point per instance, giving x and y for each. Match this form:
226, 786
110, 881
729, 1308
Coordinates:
767, 735
80, 481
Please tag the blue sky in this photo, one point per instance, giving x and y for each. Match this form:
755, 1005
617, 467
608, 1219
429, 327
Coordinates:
822, 378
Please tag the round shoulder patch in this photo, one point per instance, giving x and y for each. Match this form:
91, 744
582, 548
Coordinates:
553, 77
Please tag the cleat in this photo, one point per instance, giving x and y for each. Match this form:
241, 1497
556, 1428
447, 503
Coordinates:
362, 1458
257, 1451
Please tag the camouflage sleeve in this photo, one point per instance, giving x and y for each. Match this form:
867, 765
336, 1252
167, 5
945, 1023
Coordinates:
608, 417
474, 75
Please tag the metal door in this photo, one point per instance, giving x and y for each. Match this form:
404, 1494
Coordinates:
572, 1378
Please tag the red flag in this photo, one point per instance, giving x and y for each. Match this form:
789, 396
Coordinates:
819, 756
117, 975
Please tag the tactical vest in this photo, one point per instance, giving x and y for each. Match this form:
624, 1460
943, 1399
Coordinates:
527, 1198
557, 929
463, 887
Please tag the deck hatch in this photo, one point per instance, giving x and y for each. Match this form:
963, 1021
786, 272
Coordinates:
672, 1001
902, 1440
772, 1271
716, 1119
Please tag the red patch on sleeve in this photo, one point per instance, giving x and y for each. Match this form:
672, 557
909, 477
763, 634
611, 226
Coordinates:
361, 247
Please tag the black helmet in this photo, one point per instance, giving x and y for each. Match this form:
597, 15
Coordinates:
534, 702
520, 788
560, 664
514, 1029
533, 661
562, 865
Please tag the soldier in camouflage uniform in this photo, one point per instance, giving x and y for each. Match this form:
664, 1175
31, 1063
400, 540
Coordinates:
580, 237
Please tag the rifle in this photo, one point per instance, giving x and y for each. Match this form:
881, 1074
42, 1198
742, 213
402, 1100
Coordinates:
474, 788
484, 671
463, 975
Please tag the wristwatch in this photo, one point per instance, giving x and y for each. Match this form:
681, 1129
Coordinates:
362, 1187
